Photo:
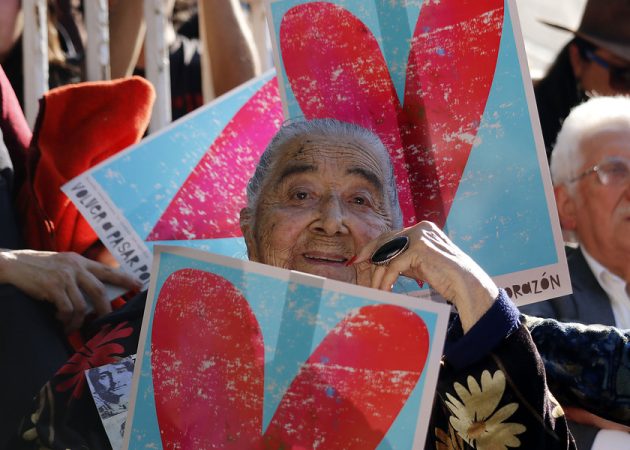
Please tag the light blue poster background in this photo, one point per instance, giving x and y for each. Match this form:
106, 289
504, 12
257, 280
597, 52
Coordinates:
294, 318
500, 215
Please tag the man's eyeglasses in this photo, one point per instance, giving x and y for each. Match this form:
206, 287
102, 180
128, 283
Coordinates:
618, 77
610, 172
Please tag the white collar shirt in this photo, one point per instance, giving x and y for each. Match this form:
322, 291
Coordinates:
616, 289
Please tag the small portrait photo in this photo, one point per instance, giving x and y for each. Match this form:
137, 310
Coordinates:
110, 385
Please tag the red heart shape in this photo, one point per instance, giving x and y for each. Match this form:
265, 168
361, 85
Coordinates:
450, 71
353, 386
336, 69
208, 203
207, 361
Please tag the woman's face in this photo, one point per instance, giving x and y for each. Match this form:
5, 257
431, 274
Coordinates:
322, 201
594, 78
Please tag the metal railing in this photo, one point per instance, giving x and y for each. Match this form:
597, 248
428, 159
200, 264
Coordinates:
96, 16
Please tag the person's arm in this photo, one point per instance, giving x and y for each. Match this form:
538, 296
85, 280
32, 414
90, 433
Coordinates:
61, 279
126, 35
588, 366
491, 390
434, 258
11, 24
228, 42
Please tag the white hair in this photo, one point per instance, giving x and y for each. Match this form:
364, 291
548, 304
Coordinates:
328, 128
595, 116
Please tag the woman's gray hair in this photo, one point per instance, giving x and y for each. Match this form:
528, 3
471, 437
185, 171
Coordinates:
595, 116
290, 131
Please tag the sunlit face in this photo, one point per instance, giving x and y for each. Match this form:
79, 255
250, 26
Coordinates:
602, 213
594, 78
324, 199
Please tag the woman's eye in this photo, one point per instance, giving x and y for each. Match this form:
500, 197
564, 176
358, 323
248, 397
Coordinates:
359, 201
300, 195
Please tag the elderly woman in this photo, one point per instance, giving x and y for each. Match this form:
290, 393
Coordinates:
323, 201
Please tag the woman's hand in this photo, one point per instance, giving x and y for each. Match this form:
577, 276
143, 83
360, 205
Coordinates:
432, 257
62, 279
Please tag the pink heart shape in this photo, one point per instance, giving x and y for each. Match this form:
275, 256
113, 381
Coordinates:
207, 364
208, 203
336, 69
351, 389
451, 67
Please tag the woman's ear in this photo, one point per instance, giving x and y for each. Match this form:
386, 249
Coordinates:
566, 208
246, 223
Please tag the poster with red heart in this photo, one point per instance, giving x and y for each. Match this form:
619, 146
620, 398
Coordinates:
236, 354
445, 86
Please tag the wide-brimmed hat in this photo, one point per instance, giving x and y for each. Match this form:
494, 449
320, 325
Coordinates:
605, 23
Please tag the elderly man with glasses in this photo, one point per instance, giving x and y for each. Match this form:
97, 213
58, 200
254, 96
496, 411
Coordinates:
590, 168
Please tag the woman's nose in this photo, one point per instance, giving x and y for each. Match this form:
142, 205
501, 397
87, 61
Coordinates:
332, 216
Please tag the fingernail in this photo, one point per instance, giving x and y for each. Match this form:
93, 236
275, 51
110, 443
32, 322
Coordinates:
420, 283
351, 261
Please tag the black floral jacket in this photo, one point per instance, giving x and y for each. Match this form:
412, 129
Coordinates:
491, 394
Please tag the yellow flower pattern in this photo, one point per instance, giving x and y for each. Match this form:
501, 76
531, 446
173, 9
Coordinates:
557, 411
475, 416
450, 441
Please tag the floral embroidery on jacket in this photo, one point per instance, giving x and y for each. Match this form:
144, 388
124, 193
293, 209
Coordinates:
97, 351
557, 410
476, 418
33, 426
450, 441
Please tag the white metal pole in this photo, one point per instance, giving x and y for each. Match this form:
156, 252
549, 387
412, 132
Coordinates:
97, 52
260, 33
157, 66
35, 56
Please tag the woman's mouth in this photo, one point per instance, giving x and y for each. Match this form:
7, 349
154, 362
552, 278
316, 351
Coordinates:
325, 258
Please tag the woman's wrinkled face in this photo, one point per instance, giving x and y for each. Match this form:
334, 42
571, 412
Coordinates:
323, 200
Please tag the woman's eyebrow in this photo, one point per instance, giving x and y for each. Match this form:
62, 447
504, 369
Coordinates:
295, 170
368, 175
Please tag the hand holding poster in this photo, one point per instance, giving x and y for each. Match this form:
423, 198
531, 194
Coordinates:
234, 354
